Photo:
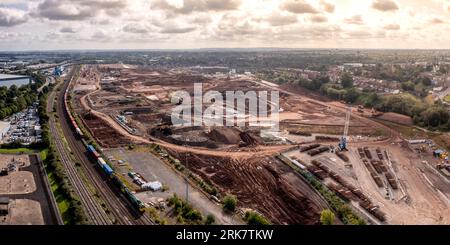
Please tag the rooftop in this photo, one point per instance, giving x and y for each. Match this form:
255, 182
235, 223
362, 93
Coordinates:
4, 200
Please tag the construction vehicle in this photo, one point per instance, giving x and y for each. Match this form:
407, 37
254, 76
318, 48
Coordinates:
375, 113
361, 109
343, 142
4, 172
443, 165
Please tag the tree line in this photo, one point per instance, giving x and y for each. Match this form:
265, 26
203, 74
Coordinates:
75, 213
434, 116
15, 99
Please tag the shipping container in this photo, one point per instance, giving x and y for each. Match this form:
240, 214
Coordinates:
101, 162
93, 152
107, 169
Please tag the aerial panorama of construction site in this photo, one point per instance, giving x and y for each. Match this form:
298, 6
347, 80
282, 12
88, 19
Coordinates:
223, 136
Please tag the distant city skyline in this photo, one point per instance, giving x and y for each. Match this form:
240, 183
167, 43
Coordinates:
192, 24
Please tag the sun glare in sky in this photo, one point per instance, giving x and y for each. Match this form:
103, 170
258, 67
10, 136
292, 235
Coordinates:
185, 24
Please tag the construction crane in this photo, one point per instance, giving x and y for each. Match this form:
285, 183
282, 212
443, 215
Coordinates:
343, 141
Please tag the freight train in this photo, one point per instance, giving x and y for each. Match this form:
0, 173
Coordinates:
111, 174
71, 118
94, 154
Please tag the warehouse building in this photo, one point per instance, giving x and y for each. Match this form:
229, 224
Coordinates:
9, 80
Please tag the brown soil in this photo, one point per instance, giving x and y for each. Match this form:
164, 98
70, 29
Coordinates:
396, 118
263, 184
304, 92
103, 133
225, 135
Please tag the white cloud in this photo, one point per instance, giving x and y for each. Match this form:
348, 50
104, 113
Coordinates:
11, 17
222, 23
299, 7
447, 6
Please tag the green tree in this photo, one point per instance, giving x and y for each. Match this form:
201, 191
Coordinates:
352, 95
210, 219
327, 217
408, 86
347, 80
254, 218
426, 81
229, 203
435, 116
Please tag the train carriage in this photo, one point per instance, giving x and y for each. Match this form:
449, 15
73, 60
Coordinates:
93, 152
101, 162
138, 204
107, 169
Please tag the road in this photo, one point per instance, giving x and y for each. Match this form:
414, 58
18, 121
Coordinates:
441, 95
48, 81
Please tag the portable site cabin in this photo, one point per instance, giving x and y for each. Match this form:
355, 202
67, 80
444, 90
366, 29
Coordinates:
4, 205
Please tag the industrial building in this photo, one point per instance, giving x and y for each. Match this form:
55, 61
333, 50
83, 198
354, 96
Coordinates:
9, 80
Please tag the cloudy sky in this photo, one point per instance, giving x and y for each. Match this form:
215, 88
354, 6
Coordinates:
187, 24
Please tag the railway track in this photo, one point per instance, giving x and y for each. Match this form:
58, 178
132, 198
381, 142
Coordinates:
121, 208
94, 211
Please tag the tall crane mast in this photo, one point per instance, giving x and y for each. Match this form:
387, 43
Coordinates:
343, 141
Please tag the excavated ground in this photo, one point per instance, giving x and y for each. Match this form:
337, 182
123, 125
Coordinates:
263, 184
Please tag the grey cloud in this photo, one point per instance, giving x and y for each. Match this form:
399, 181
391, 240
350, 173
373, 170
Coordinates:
77, 9
67, 30
135, 28
9, 17
280, 20
201, 20
100, 35
100, 21
177, 30
364, 34
298, 7
384, 5
52, 36
170, 26
236, 27
190, 6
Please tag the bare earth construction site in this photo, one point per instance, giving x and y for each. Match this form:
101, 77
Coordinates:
380, 176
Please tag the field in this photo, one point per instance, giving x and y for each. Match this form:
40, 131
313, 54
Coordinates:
17, 151
396, 118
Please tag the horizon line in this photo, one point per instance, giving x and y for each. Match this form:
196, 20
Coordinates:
217, 48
